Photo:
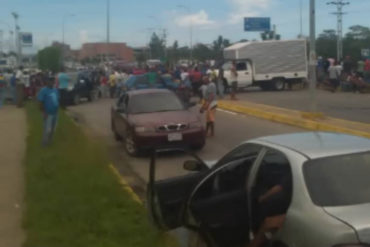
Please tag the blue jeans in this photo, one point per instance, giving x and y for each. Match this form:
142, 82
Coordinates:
50, 122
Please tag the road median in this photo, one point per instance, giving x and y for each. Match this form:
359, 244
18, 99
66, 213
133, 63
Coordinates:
72, 197
296, 118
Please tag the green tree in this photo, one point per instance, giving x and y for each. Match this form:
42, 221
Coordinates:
50, 58
326, 44
356, 39
157, 47
218, 47
270, 35
202, 52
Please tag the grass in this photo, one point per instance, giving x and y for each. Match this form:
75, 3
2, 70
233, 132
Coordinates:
72, 198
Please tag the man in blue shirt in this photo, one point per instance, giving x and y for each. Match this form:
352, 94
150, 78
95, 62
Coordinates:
49, 104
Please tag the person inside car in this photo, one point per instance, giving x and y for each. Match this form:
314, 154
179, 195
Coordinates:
272, 206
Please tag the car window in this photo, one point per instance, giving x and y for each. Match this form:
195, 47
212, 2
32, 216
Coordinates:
340, 180
122, 102
241, 66
154, 102
244, 150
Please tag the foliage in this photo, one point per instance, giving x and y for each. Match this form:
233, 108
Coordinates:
270, 35
355, 40
218, 47
157, 47
202, 52
50, 58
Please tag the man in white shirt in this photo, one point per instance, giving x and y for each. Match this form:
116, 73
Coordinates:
20, 86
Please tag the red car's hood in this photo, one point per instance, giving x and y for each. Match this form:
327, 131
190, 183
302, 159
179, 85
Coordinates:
160, 118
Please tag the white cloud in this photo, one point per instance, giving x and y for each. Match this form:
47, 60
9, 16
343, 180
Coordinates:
198, 19
245, 8
84, 36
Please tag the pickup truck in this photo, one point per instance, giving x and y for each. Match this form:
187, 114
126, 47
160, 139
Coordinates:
267, 64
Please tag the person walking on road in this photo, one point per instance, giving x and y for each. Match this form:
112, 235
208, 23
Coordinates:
210, 105
20, 86
49, 105
234, 81
334, 75
112, 85
63, 82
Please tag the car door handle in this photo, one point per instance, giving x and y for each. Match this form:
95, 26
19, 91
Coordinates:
247, 73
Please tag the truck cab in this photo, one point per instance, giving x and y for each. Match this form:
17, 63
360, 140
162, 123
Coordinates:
245, 75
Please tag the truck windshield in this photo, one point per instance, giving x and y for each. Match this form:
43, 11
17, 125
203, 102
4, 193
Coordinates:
340, 180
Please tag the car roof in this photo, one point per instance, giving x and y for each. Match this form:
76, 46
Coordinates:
147, 91
319, 144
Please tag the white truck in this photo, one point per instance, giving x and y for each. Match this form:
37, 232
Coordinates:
267, 64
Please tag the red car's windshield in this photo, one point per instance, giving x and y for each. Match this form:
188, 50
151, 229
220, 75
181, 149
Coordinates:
154, 102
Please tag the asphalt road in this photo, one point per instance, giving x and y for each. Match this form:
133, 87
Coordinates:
231, 130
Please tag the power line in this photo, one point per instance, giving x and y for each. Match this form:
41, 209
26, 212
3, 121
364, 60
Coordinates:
340, 4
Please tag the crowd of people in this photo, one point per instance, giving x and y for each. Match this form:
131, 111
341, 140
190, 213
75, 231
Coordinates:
346, 75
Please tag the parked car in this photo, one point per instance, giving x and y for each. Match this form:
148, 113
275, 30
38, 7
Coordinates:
81, 86
326, 203
154, 118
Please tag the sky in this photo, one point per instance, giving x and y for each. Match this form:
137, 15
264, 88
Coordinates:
133, 21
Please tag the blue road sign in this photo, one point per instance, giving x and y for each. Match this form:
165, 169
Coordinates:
257, 24
26, 39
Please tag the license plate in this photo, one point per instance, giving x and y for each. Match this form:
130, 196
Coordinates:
172, 137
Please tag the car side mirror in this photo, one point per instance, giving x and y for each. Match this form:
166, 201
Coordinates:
193, 165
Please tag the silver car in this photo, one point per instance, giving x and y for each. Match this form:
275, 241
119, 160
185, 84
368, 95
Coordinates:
325, 200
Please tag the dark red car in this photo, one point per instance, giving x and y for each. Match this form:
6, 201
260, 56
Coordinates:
155, 118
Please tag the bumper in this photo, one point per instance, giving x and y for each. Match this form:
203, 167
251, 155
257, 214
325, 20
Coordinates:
190, 138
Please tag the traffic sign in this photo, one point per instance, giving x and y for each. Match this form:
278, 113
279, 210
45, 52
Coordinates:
257, 24
26, 39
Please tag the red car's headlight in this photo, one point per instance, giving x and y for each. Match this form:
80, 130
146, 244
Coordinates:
352, 245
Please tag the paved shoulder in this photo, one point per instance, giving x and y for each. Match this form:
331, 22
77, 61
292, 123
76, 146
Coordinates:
13, 128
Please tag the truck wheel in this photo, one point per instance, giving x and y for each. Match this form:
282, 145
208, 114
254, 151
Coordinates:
279, 84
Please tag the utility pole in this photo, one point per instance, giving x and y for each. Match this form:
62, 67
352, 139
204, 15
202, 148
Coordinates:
17, 38
339, 14
312, 59
108, 20
191, 30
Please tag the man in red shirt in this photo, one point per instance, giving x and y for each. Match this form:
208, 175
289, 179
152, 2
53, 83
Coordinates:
196, 81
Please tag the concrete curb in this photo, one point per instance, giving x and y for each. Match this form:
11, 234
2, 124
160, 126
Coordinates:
290, 119
125, 185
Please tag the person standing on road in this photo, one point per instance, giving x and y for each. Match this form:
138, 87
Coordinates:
210, 105
334, 75
49, 104
220, 82
20, 86
63, 83
234, 81
112, 85
104, 85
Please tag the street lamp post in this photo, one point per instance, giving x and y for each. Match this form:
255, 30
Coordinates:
312, 59
108, 21
191, 30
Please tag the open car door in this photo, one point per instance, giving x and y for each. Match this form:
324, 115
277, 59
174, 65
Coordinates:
167, 198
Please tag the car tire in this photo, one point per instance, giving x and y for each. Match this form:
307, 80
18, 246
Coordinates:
117, 137
279, 84
76, 99
130, 145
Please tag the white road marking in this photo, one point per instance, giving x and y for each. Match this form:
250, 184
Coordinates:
230, 112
